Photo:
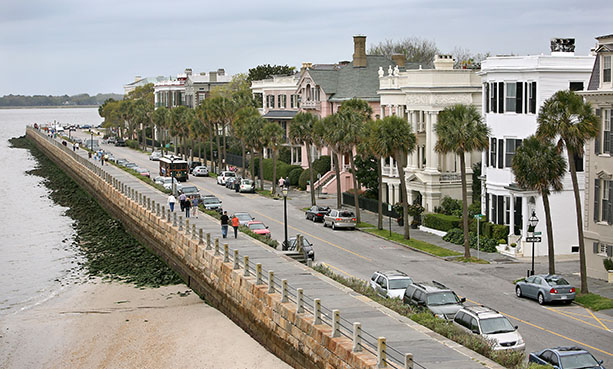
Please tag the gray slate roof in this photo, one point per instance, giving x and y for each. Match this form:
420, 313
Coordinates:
280, 114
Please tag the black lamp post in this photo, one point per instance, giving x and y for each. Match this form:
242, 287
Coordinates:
285, 212
172, 173
91, 140
532, 221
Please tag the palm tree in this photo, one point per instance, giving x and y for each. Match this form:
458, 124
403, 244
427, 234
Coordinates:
239, 126
273, 134
460, 129
203, 110
570, 120
393, 137
178, 126
332, 133
159, 117
301, 132
538, 166
253, 131
367, 146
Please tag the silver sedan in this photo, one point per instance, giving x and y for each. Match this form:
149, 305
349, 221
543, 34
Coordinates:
338, 218
546, 288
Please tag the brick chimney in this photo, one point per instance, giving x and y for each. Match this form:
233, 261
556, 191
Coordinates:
359, 51
443, 62
305, 66
399, 59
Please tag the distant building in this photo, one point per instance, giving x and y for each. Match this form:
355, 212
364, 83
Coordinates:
514, 88
418, 95
170, 92
198, 86
140, 81
598, 215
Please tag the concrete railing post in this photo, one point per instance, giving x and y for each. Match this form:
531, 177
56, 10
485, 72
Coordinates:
357, 337
194, 235
200, 233
408, 361
271, 281
284, 290
168, 216
187, 226
317, 311
208, 241
246, 266
140, 199
216, 246
299, 301
226, 253
309, 263
149, 203
258, 274
180, 223
299, 243
381, 353
236, 264
336, 323
153, 207
157, 209
174, 219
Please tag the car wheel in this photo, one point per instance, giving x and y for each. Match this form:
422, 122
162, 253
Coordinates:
518, 291
541, 299
307, 216
568, 302
333, 226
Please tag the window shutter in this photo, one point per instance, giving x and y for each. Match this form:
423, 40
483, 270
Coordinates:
494, 106
500, 154
493, 153
533, 98
519, 97
597, 144
501, 97
596, 200
609, 250
486, 93
610, 134
595, 248
610, 204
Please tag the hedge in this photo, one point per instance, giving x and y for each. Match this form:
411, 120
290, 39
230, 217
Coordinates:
283, 169
305, 177
456, 236
441, 222
294, 176
321, 165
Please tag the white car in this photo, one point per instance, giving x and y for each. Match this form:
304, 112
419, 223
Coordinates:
221, 178
491, 325
246, 185
390, 284
155, 156
167, 183
200, 171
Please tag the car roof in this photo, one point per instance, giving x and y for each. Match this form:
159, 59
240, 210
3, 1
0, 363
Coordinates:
482, 311
568, 350
393, 274
434, 287
254, 222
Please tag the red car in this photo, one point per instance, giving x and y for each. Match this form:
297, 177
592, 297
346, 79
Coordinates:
259, 228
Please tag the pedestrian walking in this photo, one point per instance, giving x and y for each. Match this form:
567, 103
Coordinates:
235, 224
187, 205
182, 199
171, 202
74, 147
224, 224
237, 184
77, 145
101, 159
195, 203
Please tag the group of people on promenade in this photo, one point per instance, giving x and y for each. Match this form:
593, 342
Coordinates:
225, 219
188, 206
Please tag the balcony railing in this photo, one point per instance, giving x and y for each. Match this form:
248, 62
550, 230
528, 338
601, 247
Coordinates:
310, 104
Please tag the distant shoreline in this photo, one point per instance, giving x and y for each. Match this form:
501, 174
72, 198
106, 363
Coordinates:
50, 107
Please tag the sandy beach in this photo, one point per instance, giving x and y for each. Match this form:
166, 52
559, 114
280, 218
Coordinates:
114, 325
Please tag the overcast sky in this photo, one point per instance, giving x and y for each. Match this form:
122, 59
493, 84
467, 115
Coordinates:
88, 46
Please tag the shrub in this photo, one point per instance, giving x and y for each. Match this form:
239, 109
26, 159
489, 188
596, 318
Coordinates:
133, 144
455, 235
285, 154
441, 222
267, 240
608, 264
321, 165
294, 176
500, 232
282, 169
502, 241
304, 178
451, 206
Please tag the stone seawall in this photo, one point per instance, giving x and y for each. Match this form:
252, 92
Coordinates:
290, 335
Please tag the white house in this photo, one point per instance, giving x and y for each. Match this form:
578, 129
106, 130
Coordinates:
514, 88
419, 95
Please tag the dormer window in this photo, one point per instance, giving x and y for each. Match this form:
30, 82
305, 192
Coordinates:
606, 68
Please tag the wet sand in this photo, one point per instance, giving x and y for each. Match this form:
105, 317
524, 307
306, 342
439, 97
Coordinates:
114, 325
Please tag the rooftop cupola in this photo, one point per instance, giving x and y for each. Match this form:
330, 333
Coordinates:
443, 62
562, 46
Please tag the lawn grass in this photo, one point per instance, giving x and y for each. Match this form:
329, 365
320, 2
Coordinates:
266, 193
471, 259
365, 225
416, 244
594, 301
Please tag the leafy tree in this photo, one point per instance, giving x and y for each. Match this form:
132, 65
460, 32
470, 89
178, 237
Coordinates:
460, 130
366, 171
393, 137
570, 120
244, 117
266, 71
301, 132
160, 119
414, 49
538, 166
368, 147
332, 132
255, 140
273, 135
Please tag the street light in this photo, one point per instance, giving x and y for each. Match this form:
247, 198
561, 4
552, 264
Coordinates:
532, 221
172, 173
91, 140
285, 213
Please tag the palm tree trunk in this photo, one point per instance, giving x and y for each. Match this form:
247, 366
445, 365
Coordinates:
224, 148
582, 261
337, 171
252, 166
243, 153
191, 154
356, 197
262, 169
200, 153
464, 206
403, 195
274, 172
550, 249
211, 148
218, 147
380, 195
311, 184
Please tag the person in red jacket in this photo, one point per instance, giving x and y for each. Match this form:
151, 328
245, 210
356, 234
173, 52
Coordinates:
235, 224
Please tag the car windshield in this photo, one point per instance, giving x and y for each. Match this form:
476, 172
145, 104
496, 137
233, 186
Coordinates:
230, 174
210, 200
557, 282
243, 216
400, 283
190, 189
345, 214
257, 226
582, 360
442, 298
496, 325
247, 181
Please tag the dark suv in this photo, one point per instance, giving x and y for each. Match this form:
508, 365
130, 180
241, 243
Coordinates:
436, 297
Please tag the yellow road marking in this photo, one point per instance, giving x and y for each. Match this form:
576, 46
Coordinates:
577, 319
598, 320
581, 315
340, 270
317, 238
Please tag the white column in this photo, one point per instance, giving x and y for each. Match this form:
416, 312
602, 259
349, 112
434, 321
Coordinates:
512, 215
435, 155
382, 111
429, 145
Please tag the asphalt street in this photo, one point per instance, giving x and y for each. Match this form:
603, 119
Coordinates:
354, 253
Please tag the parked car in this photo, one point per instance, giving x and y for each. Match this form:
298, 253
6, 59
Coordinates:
167, 183
223, 176
120, 142
247, 185
191, 192
491, 325
122, 162
244, 218
566, 358
86, 126
111, 140
317, 213
201, 171
436, 297
339, 218
155, 156
142, 171
390, 284
131, 165
307, 247
546, 288
193, 165
158, 180
211, 203
259, 228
